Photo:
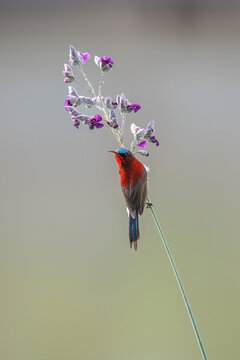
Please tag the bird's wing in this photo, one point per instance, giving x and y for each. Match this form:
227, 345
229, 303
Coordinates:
135, 196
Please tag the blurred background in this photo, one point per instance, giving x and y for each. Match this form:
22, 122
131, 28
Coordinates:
70, 287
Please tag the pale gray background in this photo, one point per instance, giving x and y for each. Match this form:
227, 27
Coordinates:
70, 288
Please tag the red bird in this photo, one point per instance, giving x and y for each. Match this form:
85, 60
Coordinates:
133, 177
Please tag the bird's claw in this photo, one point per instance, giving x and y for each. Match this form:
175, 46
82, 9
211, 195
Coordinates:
149, 204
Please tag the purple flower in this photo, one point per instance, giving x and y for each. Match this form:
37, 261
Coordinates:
154, 140
95, 122
72, 99
84, 57
132, 106
97, 117
142, 144
69, 101
106, 59
104, 62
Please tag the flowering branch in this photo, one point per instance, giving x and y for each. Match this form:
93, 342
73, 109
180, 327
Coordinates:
104, 105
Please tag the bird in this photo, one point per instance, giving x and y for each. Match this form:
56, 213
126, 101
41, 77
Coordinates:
133, 179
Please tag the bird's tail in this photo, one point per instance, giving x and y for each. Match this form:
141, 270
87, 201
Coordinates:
133, 230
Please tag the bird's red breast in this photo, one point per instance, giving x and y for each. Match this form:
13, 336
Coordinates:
130, 170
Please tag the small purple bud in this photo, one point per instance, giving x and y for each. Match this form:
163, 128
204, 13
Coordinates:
68, 80
150, 128
74, 113
72, 91
68, 74
108, 101
83, 118
69, 108
113, 122
87, 100
74, 58
154, 140
123, 102
76, 123
113, 116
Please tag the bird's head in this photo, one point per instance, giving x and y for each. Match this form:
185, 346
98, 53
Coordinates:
123, 157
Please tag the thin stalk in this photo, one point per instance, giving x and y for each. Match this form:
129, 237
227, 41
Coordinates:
123, 123
115, 132
88, 82
185, 299
84, 87
100, 86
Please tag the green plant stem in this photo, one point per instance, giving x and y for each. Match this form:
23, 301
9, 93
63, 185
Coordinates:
185, 299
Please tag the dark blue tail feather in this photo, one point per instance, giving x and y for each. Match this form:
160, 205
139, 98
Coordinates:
133, 230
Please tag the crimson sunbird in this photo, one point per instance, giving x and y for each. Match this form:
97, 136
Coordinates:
133, 178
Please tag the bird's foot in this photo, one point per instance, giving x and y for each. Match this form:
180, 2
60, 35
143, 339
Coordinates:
149, 204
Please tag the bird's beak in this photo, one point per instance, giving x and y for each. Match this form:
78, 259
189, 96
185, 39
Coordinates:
112, 151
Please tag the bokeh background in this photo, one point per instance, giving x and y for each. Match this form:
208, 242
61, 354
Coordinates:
70, 288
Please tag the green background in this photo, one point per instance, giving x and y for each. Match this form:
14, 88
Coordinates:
70, 287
